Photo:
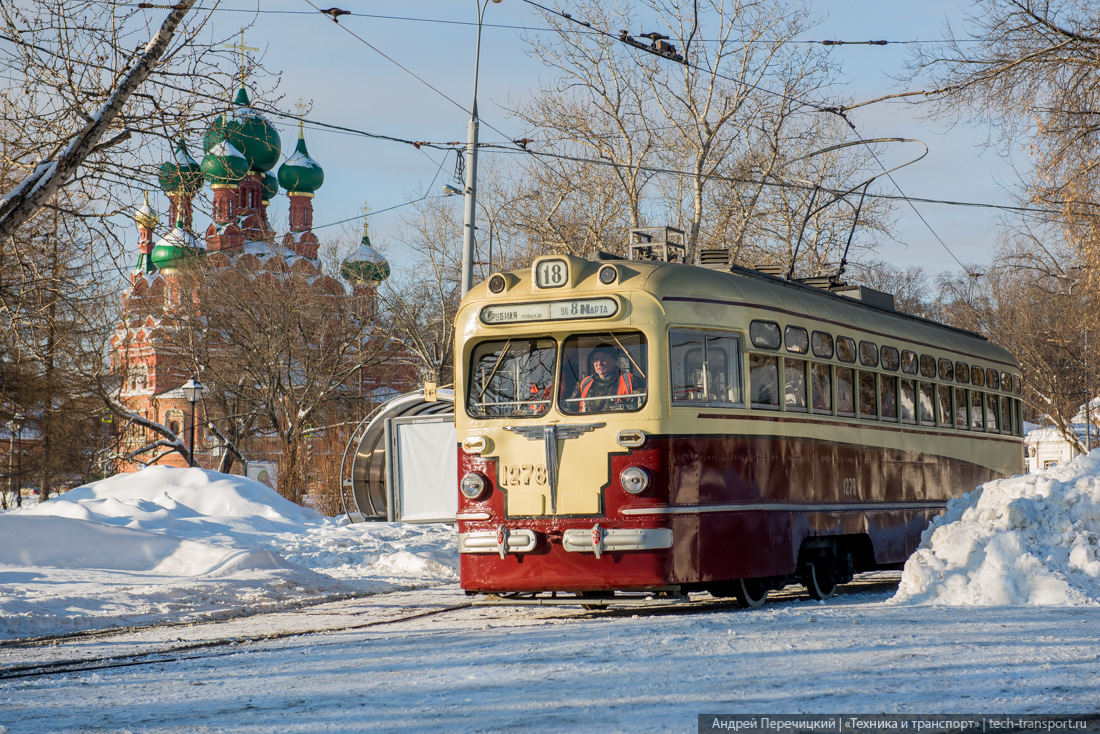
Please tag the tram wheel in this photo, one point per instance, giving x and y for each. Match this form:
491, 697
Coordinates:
751, 593
818, 578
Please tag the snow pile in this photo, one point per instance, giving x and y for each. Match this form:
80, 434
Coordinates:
1028, 540
169, 544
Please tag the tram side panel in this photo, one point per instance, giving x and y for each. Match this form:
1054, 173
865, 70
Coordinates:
779, 492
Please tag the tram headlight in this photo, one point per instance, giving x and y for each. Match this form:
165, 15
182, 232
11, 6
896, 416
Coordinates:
473, 486
634, 479
608, 274
496, 283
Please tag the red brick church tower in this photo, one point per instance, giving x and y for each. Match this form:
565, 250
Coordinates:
242, 148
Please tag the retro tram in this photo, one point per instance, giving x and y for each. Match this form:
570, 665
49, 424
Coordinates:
751, 431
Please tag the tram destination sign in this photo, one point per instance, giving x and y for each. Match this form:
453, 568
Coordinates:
575, 308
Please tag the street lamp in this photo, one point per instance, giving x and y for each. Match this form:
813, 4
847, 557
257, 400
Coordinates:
192, 390
471, 166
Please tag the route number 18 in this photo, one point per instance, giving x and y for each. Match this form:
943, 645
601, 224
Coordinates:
551, 274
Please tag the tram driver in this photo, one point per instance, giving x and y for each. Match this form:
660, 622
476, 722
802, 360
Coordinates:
605, 379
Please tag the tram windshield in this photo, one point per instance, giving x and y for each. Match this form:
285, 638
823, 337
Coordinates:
603, 373
514, 377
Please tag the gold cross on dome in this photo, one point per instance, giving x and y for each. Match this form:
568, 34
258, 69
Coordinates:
244, 57
366, 217
301, 106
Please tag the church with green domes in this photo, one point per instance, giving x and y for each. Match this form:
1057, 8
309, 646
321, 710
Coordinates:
241, 165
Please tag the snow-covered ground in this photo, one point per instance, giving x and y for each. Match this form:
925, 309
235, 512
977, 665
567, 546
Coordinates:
999, 612
170, 544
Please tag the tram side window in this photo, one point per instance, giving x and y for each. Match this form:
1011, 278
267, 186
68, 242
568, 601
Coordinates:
890, 360
705, 368
977, 375
962, 372
927, 404
511, 378
888, 397
794, 384
992, 420
867, 408
764, 381
822, 386
947, 370
927, 366
976, 422
960, 407
1006, 415
822, 344
907, 402
796, 339
845, 392
944, 414
868, 354
603, 372
908, 362
846, 349
764, 334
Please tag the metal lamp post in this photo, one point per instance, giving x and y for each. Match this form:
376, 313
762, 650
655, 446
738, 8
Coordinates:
449, 190
471, 166
192, 390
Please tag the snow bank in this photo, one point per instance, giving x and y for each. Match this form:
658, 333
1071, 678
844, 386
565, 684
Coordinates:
182, 544
1028, 540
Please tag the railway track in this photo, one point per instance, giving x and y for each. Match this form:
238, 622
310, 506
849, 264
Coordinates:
104, 649
164, 643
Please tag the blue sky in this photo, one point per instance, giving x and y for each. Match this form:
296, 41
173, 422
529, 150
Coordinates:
352, 84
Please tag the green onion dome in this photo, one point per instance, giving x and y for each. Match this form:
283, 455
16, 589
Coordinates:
301, 174
224, 164
145, 216
176, 247
182, 174
271, 186
248, 131
366, 266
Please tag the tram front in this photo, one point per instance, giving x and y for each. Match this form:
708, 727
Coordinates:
557, 394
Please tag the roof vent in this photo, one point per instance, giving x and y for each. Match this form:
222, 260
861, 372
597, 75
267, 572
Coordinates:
718, 259
867, 295
776, 270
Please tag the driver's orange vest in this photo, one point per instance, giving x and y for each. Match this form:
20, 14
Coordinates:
626, 385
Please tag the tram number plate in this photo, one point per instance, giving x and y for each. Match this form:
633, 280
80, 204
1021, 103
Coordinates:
522, 475
551, 274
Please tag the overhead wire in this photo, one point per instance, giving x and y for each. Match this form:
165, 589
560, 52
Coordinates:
838, 110
511, 26
448, 146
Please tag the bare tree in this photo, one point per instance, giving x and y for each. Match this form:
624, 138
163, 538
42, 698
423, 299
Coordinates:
95, 91
75, 77
1034, 77
417, 305
717, 142
280, 352
1031, 301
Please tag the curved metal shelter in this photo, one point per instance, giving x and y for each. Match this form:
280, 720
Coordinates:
363, 469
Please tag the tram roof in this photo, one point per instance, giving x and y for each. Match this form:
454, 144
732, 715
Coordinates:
814, 303
735, 285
